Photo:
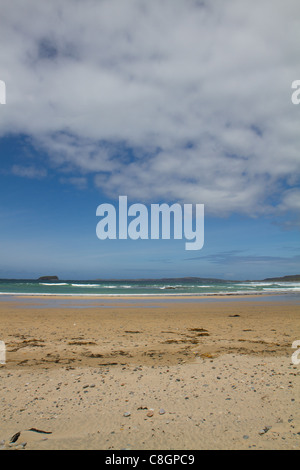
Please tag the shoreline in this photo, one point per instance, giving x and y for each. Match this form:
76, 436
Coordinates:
152, 296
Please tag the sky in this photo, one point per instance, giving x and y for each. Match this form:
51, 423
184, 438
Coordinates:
167, 101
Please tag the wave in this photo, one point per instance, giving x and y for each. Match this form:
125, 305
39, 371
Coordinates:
85, 285
288, 284
52, 284
286, 289
170, 287
256, 284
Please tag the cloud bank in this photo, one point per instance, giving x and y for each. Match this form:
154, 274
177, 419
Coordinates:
167, 100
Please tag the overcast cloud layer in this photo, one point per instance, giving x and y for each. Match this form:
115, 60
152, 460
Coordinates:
161, 100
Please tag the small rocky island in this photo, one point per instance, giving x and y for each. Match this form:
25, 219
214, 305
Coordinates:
48, 278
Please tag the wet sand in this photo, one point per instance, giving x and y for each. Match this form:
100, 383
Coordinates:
139, 374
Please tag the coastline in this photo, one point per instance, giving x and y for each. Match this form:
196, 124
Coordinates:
239, 295
161, 288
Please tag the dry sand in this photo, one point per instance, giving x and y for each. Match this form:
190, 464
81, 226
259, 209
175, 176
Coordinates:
137, 375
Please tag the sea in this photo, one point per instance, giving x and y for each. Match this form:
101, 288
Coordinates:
159, 287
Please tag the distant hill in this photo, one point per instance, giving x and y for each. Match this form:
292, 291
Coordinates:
290, 278
170, 279
295, 277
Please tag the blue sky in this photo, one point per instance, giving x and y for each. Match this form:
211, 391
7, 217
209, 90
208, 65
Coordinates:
169, 101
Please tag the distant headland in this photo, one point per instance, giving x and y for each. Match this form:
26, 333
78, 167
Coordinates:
289, 278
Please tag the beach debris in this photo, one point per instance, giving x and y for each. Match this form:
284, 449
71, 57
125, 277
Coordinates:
126, 414
94, 355
21, 446
39, 430
162, 411
12, 445
234, 315
150, 413
14, 438
80, 342
198, 330
207, 356
264, 430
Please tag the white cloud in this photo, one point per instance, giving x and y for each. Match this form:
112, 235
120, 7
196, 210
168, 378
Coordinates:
79, 182
200, 91
28, 171
292, 198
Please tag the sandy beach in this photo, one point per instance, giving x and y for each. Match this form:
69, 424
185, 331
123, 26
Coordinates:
139, 374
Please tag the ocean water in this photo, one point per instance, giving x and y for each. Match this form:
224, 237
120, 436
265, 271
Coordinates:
143, 288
